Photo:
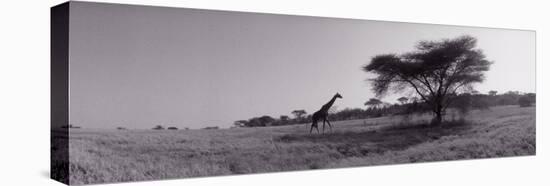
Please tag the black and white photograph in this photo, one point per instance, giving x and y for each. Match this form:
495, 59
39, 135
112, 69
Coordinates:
156, 93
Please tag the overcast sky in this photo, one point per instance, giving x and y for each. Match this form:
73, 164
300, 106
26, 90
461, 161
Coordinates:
136, 66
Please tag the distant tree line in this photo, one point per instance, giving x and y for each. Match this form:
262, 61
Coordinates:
71, 126
160, 127
463, 103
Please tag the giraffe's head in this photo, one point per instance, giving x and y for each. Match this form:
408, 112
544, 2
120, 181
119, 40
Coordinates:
338, 95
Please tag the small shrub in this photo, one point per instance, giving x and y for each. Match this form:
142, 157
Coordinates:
158, 127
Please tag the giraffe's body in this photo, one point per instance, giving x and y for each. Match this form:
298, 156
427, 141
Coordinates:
322, 114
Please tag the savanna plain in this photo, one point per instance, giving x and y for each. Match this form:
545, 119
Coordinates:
99, 156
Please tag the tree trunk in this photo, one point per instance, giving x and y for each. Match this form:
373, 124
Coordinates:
437, 119
438, 111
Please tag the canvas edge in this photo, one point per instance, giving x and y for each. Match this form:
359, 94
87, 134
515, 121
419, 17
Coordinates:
59, 92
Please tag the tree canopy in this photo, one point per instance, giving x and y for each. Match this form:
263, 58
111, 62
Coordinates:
373, 102
299, 113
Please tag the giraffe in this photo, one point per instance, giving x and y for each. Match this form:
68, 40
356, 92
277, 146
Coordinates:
323, 114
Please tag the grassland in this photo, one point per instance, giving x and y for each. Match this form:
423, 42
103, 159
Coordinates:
98, 156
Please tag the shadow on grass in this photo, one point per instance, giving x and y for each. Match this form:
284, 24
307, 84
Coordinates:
389, 138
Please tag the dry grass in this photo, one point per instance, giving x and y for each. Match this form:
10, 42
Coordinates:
60, 155
98, 156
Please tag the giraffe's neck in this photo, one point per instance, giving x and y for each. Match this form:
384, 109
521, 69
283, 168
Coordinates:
329, 104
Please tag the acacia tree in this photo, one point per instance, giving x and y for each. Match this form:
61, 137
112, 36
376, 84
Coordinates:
436, 71
373, 103
299, 113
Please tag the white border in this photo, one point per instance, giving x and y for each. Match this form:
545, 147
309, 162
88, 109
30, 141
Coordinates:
24, 92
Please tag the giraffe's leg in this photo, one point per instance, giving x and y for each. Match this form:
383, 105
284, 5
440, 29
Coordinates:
324, 120
317, 127
313, 123
329, 125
